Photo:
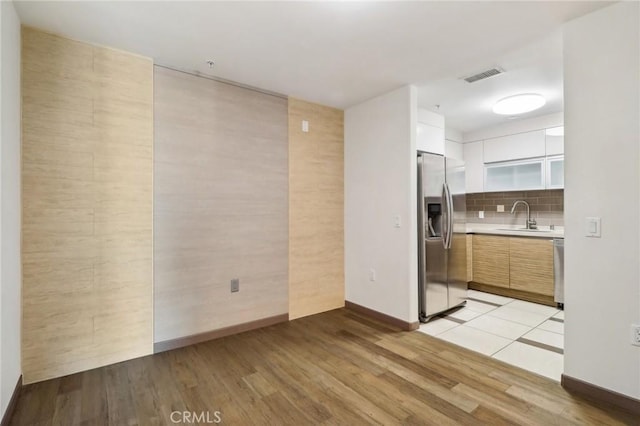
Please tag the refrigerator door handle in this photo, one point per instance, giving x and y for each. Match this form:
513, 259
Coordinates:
445, 216
449, 217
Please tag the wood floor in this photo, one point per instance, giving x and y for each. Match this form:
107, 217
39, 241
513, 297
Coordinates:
336, 368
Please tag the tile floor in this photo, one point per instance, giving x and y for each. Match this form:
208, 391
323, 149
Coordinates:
524, 334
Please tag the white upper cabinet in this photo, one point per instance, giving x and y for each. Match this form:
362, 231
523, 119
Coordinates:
554, 145
515, 147
430, 139
430, 136
555, 172
474, 167
453, 150
514, 175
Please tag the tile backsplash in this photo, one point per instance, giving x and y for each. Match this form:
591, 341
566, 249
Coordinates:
547, 207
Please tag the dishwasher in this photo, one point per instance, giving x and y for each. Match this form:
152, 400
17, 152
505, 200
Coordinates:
558, 271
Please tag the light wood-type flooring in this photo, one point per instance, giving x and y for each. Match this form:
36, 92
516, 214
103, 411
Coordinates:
337, 368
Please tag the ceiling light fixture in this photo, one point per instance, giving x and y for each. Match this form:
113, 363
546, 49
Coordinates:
555, 131
519, 104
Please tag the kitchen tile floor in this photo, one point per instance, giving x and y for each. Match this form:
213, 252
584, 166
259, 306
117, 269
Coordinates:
524, 334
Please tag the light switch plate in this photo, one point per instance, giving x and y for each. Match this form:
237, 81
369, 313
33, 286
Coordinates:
396, 221
592, 227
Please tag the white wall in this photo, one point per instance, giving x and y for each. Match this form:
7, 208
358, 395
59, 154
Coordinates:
380, 183
2, 405
602, 178
515, 126
9, 203
453, 135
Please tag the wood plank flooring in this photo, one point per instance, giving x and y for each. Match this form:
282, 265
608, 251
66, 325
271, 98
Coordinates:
335, 368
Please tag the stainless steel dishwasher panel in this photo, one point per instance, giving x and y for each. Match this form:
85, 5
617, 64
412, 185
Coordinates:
558, 270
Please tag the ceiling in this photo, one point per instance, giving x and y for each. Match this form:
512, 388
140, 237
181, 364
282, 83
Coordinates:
534, 68
335, 53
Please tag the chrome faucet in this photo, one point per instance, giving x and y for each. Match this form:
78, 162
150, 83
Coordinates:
531, 223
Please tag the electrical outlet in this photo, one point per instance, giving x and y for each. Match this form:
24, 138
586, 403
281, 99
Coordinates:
235, 285
635, 334
372, 275
500, 208
481, 214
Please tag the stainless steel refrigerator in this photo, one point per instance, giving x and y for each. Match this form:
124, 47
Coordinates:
442, 242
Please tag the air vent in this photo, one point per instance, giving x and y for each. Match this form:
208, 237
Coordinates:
483, 75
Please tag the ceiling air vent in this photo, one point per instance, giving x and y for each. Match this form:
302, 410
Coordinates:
483, 75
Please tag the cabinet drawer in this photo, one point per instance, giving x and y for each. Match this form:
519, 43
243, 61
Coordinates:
490, 260
531, 265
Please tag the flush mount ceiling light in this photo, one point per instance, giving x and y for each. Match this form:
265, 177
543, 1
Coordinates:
519, 104
555, 131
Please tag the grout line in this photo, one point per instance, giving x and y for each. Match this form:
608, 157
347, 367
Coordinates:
541, 345
497, 305
504, 347
497, 335
549, 331
458, 320
556, 319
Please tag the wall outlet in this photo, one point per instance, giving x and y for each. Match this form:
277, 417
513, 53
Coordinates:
635, 334
235, 285
396, 221
372, 275
500, 208
481, 214
305, 126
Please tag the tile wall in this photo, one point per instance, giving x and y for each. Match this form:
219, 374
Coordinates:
547, 207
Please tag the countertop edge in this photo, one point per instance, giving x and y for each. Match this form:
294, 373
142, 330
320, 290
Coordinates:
515, 233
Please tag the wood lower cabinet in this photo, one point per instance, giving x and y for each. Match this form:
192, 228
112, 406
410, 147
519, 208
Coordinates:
519, 264
469, 257
531, 265
490, 262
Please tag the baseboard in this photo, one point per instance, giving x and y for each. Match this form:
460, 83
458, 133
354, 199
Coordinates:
180, 342
6, 418
599, 394
401, 324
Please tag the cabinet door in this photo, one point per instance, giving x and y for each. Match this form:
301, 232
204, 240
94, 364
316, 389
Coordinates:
555, 172
531, 265
469, 258
515, 147
491, 260
514, 175
430, 139
554, 144
453, 150
474, 167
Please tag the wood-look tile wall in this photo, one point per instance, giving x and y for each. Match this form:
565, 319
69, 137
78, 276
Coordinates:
316, 209
221, 201
87, 118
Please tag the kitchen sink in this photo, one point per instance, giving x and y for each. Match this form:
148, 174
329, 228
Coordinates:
523, 229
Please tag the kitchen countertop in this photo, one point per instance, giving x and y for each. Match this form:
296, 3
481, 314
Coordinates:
514, 230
